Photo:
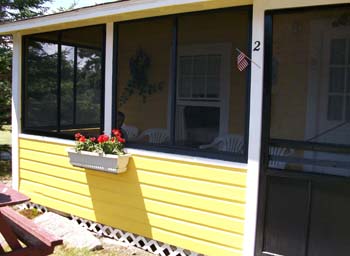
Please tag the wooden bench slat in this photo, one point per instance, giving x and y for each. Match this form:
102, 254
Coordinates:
9, 196
27, 231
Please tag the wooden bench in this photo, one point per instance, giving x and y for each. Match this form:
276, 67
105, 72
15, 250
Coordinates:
35, 240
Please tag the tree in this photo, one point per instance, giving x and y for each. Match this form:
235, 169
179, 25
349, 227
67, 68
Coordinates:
11, 10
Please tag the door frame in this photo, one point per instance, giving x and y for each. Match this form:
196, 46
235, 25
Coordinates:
266, 118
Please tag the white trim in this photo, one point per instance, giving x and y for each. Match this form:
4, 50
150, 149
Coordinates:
111, 11
184, 158
46, 139
16, 106
108, 78
255, 131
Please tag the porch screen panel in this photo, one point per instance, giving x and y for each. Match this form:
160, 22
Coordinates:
88, 91
211, 91
178, 87
310, 91
63, 82
41, 83
67, 85
144, 63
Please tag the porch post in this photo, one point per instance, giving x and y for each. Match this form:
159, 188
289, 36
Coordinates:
108, 78
16, 106
255, 128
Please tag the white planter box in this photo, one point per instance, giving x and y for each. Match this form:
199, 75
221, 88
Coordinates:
101, 162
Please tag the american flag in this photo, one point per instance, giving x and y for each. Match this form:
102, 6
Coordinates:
242, 62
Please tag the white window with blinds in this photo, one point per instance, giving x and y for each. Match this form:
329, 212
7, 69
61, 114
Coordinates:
203, 90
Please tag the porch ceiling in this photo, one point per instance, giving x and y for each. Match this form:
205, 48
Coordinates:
111, 12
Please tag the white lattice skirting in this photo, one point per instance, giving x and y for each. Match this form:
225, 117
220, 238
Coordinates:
144, 243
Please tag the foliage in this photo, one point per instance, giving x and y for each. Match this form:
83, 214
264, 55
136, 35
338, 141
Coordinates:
103, 144
5, 103
138, 84
42, 84
11, 10
30, 213
20, 9
70, 7
5, 170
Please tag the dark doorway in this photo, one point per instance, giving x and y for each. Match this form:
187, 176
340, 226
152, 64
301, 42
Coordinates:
305, 180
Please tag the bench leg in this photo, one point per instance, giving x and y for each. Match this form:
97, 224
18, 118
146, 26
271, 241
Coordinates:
8, 234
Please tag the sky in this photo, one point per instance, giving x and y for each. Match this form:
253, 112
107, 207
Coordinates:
80, 3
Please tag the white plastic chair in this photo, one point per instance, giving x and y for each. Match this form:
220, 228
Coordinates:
131, 131
229, 142
279, 151
155, 135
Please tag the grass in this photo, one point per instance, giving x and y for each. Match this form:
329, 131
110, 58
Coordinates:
5, 135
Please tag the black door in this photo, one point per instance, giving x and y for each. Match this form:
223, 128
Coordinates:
304, 203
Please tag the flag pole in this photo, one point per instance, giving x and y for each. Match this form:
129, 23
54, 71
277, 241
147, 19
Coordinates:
238, 50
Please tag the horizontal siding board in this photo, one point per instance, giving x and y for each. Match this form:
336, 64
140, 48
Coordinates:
198, 207
66, 185
132, 225
195, 201
46, 147
122, 223
42, 157
119, 191
233, 176
204, 247
197, 231
230, 177
60, 205
195, 216
59, 194
52, 170
138, 208
209, 189
193, 186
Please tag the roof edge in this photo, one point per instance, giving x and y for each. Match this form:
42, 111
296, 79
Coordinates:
108, 10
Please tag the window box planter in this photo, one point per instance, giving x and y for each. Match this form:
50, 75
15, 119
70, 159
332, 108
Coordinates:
100, 162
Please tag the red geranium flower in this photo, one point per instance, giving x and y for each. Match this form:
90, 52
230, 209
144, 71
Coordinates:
103, 138
120, 139
77, 135
116, 132
82, 138
93, 139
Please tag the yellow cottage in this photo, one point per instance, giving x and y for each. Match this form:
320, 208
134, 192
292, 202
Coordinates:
236, 114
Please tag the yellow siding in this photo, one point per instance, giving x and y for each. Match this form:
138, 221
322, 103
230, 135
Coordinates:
192, 206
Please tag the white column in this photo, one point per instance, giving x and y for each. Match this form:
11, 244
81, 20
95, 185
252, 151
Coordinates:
108, 78
16, 106
255, 129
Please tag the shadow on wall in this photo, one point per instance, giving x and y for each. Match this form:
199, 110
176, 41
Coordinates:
118, 201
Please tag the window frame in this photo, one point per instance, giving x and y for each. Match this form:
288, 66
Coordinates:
60, 43
173, 90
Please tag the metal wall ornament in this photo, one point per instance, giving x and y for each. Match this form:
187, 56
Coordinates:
139, 84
